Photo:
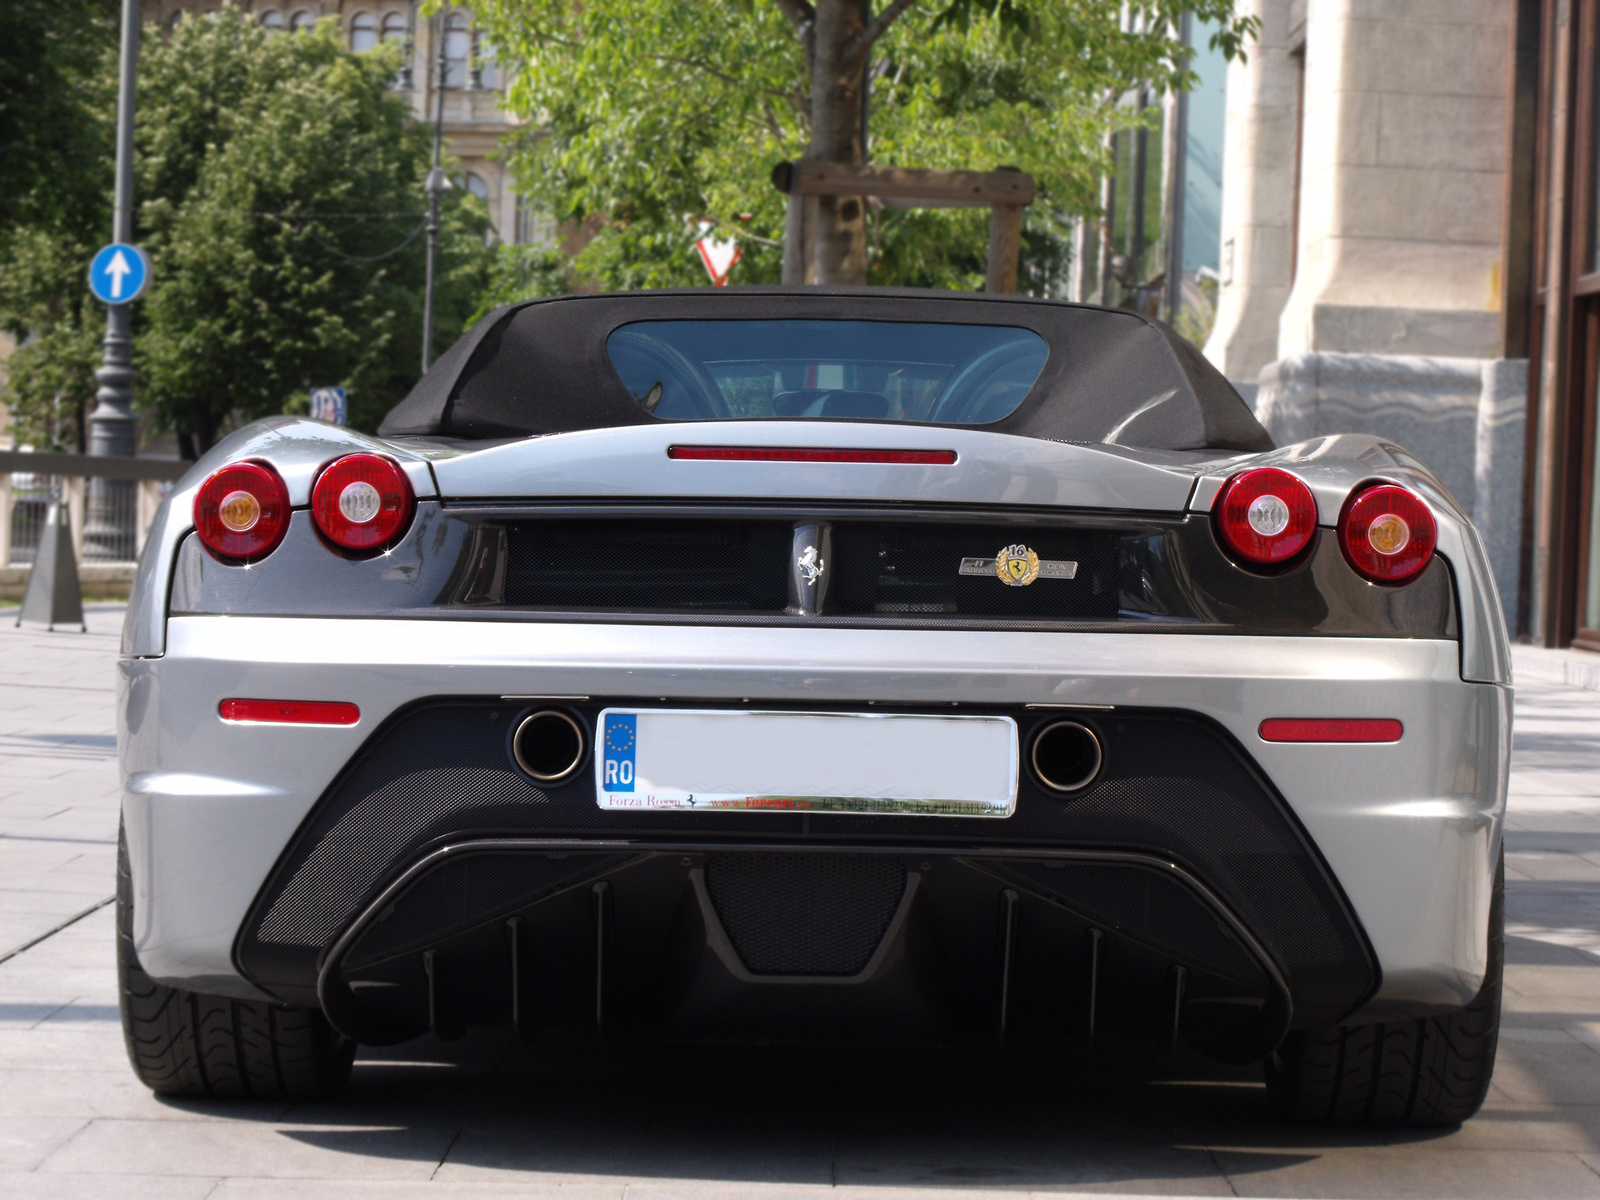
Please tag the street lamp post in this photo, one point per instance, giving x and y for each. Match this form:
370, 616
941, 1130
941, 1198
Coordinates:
438, 184
113, 428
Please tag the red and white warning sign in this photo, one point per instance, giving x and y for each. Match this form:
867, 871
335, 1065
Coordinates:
718, 254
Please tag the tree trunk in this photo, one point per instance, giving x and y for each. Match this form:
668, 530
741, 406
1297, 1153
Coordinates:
837, 79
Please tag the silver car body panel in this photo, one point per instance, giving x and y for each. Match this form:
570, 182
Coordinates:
1410, 830
994, 470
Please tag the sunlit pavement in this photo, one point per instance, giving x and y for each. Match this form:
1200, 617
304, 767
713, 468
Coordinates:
491, 1117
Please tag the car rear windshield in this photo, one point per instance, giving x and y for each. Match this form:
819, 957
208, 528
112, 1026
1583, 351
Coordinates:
862, 370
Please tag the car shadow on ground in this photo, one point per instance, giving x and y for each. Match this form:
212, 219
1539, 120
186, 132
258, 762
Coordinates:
568, 1107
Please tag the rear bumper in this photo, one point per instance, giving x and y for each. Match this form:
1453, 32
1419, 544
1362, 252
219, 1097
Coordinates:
1408, 831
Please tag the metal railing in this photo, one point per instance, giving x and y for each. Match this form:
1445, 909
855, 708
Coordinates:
110, 501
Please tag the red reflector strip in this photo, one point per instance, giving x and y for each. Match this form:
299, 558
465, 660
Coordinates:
290, 712
1300, 729
810, 454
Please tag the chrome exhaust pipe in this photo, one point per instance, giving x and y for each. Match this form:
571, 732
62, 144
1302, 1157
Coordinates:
1066, 756
549, 745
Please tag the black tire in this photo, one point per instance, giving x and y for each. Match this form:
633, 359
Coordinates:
182, 1043
1425, 1072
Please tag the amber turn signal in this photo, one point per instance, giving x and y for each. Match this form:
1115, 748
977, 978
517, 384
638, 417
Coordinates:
242, 512
1387, 533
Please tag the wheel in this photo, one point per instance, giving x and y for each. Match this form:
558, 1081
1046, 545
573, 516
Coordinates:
1428, 1071
182, 1043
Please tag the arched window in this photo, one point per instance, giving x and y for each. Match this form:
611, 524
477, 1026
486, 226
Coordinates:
363, 32
478, 187
457, 42
484, 73
394, 27
272, 21
302, 21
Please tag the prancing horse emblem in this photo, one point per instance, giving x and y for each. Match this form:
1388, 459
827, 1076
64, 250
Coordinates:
1017, 565
810, 565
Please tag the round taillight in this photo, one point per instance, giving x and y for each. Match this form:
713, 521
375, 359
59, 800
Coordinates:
1265, 516
1387, 533
242, 512
362, 502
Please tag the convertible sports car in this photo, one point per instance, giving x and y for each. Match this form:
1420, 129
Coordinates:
817, 666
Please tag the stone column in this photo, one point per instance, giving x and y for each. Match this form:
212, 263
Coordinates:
1402, 179
1257, 198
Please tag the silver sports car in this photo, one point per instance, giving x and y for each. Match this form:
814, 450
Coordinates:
817, 666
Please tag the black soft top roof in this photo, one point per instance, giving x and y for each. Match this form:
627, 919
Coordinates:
1112, 375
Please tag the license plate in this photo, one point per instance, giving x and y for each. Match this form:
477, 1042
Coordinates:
955, 766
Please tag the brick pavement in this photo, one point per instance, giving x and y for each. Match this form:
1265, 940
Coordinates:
489, 1117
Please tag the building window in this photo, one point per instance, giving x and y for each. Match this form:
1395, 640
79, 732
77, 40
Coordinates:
456, 45
363, 32
394, 27
272, 21
302, 21
484, 72
477, 187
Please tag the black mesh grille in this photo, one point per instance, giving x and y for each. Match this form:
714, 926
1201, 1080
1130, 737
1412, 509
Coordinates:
733, 566
805, 914
355, 852
1173, 785
915, 569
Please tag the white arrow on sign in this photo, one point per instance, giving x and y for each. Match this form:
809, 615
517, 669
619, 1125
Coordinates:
119, 270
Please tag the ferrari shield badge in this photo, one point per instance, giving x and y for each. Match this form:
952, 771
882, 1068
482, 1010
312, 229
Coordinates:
1017, 565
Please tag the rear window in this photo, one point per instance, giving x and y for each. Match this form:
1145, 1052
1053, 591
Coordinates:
861, 370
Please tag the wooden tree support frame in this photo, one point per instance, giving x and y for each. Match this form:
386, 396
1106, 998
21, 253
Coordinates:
1004, 193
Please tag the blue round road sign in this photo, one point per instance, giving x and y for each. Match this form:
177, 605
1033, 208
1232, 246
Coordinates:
119, 274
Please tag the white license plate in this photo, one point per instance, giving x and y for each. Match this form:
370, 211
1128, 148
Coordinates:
808, 762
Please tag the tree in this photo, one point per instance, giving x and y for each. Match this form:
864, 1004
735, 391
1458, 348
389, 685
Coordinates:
279, 192
50, 94
283, 209
651, 111
54, 204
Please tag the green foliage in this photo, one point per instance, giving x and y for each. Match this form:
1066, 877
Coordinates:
284, 217
57, 82
658, 111
280, 198
43, 298
53, 87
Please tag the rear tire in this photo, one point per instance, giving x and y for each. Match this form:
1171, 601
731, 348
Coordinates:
183, 1043
1429, 1071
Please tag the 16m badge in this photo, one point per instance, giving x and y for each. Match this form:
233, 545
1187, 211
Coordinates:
1019, 565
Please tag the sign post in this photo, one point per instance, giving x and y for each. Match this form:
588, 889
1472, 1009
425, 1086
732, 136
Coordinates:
119, 274
327, 404
124, 273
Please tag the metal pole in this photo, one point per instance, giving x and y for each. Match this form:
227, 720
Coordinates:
436, 186
113, 429
1178, 183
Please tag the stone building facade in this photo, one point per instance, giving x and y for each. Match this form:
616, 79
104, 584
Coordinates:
1365, 241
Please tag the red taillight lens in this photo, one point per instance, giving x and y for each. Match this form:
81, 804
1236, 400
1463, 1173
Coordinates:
242, 512
810, 454
1387, 533
1355, 729
1265, 516
289, 712
362, 502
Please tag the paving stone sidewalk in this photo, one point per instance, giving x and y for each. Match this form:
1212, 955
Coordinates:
490, 1117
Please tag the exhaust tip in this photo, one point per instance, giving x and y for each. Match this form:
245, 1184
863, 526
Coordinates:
549, 745
1066, 756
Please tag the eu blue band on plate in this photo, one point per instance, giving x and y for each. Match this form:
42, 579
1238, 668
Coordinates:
621, 744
